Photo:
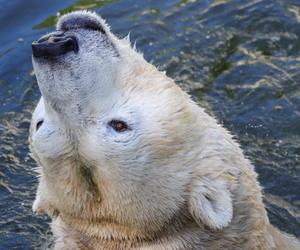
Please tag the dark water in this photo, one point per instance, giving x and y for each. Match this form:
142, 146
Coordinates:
239, 59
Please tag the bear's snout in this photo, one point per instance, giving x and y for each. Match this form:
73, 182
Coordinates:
55, 44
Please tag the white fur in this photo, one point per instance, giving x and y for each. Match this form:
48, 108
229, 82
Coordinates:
175, 180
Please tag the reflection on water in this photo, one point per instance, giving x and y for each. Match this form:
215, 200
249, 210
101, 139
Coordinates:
239, 59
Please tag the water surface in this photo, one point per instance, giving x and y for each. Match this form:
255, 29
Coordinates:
239, 59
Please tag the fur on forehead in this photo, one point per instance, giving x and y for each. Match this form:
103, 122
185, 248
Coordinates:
84, 20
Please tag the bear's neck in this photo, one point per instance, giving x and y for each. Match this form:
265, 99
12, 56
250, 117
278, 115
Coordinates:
108, 235
180, 233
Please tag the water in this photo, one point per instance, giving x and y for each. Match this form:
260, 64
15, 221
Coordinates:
239, 59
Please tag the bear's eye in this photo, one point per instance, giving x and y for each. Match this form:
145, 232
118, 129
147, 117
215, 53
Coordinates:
39, 124
119, 126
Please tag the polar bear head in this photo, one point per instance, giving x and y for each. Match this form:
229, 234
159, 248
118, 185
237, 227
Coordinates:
117, 141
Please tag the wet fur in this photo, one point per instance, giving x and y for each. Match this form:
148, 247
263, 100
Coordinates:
176, 181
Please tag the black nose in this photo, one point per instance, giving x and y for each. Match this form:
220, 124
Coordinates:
55, 44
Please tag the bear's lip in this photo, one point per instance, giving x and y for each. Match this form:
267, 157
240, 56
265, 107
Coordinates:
81, 20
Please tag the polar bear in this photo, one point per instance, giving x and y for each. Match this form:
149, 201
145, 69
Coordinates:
127, 160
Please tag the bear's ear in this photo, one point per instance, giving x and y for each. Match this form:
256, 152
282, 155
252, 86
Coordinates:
210, 203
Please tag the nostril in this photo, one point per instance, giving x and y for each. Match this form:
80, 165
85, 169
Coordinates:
39, 124
54, 39
57, 34
71, 45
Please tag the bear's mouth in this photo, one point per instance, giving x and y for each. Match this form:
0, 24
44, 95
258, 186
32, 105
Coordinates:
85, 20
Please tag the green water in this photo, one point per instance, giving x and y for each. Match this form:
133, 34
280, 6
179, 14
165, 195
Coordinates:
239, 59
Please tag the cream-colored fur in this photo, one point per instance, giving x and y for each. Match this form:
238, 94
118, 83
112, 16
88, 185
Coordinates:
175, 180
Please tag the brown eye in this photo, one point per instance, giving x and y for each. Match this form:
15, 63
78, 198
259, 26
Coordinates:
119, 126
39, 124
